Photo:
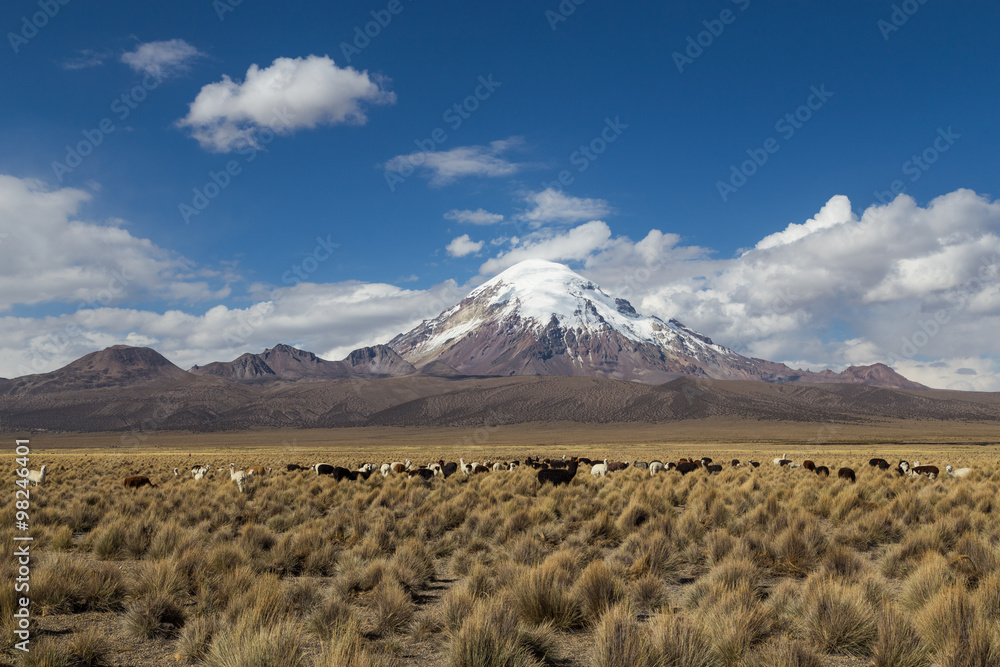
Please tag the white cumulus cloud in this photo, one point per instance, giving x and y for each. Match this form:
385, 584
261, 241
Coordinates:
551, 205
291, 94
47, 255
461, 246
573, 245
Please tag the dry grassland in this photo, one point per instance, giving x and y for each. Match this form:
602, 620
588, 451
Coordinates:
751, 567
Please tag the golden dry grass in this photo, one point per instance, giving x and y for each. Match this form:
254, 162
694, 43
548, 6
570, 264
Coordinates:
766, 566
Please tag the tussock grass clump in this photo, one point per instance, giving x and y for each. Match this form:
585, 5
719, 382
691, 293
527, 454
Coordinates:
898, 643
543, 594
736, 622
837, 618
596, 589
648, 593
330, 617
456, 605
926, 580
676, 641
196, 637
248, 646
974, 558
620, 640
842, 563
88, 648
154, 615
62, 584
393, 608
987, 597
44, 653
492, 637
958, 630
783, 652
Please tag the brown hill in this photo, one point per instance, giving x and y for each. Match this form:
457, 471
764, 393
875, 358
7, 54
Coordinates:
135, 390
290, 364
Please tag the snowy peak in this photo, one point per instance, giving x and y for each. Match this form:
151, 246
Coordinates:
542, 318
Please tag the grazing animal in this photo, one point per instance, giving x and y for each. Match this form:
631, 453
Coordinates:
903, 468
292, 467
561, 464
755, 464
257, 470
200, 474
655, 467
478, 468
585, 461
879, 463
931, 471
423, 473
449, 469
687, 466
960, 472
735, 463
202, 469
641, 465
464, 467
343, 473
37, 476
600, 469
705, 461
136, 481
559, 476
176, 473
846, 473
788, 462
713, 468
808, 465
822, 470
322, 468
239, 477
615, 465
778, 461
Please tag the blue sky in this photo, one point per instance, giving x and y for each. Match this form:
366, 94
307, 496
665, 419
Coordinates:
652, 115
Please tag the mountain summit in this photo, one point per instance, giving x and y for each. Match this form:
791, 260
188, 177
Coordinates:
542, 318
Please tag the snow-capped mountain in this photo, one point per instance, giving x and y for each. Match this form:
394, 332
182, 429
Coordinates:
542, 318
